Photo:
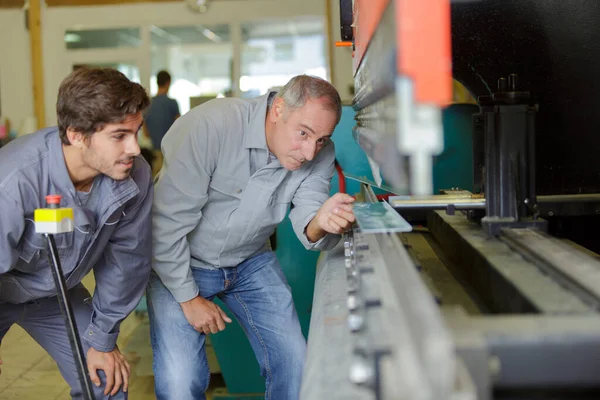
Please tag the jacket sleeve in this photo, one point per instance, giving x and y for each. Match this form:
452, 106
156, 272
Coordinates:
190, 149
123, 271
12, 225
310, 196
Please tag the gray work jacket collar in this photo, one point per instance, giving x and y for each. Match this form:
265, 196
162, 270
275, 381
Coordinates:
256, 137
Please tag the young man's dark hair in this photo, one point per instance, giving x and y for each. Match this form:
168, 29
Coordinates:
163, 78
90, 98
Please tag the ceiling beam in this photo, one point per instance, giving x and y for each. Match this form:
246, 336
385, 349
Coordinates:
12, 3
70, 3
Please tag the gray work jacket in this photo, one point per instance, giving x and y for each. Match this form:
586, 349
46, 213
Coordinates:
115, 242
218, 198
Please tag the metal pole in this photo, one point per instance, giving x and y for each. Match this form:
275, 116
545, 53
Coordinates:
69, 318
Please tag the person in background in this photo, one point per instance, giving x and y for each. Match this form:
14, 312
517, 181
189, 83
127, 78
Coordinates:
92, 160
232, 169
162, 113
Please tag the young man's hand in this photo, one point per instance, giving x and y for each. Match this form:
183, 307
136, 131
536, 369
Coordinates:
204, 315
115, 367
334, 216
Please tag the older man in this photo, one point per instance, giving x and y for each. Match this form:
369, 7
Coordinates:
232, 168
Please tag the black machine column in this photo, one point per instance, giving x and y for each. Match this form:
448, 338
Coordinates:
507, 120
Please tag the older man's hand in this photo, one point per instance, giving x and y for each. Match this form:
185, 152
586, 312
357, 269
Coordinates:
334, 216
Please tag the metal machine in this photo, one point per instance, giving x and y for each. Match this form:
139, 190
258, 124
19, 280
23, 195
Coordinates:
496, 296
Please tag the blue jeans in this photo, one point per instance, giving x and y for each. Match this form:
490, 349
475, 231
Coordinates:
257, 293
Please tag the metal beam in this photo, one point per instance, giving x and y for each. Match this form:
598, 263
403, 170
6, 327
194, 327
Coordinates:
503, 280
530, 351
578, 271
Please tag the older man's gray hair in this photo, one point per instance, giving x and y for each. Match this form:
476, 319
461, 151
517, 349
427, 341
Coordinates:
300, 88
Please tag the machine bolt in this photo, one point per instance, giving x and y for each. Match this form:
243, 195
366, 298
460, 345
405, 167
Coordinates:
355, 322
502, 85
352, 302
348, 245
513, 82
360, 372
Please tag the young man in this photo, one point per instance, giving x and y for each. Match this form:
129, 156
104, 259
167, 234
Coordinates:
232, 168
162, 113
92, 160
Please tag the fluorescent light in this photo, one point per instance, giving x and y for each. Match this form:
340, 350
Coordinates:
211, 35
72, 38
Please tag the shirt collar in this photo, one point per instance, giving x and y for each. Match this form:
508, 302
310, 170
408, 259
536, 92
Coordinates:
256, 138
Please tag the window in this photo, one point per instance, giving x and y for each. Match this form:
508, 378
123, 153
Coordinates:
132, 72
275, 51
198, 58
102, 38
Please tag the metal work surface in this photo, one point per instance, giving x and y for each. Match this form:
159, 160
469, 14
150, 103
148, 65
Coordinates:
550, 341
399, 347
437, 202
506, 282
329, 353
361, 344
575, 269
435, 272
416, 325
548, 205
530, 351
375, 324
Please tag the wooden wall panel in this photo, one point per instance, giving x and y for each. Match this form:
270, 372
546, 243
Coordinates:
11, 3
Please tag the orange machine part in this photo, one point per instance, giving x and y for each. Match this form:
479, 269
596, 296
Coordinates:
423, 39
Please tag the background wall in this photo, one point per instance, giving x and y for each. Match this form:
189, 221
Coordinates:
16, 92
16, 96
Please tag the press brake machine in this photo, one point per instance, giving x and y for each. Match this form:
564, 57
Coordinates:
496, 296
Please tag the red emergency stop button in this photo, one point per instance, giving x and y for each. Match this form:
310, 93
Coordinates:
53, 199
